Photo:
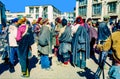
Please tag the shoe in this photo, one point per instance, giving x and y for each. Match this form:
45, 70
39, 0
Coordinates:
25, 74
11, 69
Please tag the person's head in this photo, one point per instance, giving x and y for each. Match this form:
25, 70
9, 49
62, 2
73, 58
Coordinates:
23, 20
94, 23
89, 21
15, 20
64, 22
45, 21
19, 22
28, 23
79, 20
33, 22
106, 18
39, 21
112, 24
57, 20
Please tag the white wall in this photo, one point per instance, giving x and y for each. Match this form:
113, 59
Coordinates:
50, 13
77, 8
89, 9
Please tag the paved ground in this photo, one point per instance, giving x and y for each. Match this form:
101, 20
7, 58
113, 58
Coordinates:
58, 72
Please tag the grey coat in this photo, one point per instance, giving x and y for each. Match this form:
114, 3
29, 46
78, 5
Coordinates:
45, 37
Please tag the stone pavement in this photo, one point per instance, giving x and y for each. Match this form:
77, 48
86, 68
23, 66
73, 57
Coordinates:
58, 72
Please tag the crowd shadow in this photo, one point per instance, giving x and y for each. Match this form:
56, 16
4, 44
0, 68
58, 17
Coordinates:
87, 73
4, 67
32, 62
94, 59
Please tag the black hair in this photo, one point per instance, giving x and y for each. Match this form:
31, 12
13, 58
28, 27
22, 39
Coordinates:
64, 22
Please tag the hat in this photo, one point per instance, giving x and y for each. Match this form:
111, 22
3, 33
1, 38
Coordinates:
34, 22
106, 17
39, 19
45, 20
24, 19
14, 20
58, 20
94, 22
20, 21
79, 20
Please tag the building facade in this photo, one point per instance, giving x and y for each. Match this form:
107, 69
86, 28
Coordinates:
33, 12
69, 16
11, 15
45, 11
96, 9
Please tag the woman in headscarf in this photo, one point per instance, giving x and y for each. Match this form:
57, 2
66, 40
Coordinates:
25, 40
80, 44
92, 35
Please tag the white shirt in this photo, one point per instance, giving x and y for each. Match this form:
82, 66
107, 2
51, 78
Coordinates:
74, 28
12, 35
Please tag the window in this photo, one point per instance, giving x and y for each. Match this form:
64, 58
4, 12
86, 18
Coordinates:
83, 11
37, 9
97, 9
45, 9
9, 16
83, 2
112, 7
95, 0
31, 10
45, 16
37, 16
28, 16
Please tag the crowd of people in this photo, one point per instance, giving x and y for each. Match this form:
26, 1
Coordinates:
70, 42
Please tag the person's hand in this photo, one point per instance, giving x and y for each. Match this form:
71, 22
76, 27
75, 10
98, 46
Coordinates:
95, 46
99, 47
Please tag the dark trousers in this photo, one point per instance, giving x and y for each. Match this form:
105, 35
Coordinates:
12, 54
23, 59
81, 60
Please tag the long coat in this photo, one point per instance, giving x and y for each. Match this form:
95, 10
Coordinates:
80, 43
45, 37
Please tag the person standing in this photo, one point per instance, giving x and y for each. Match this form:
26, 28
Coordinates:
113, 43
24, 41
80, 44
13, 43
57, 30
65, 39
92, 35
44, 45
